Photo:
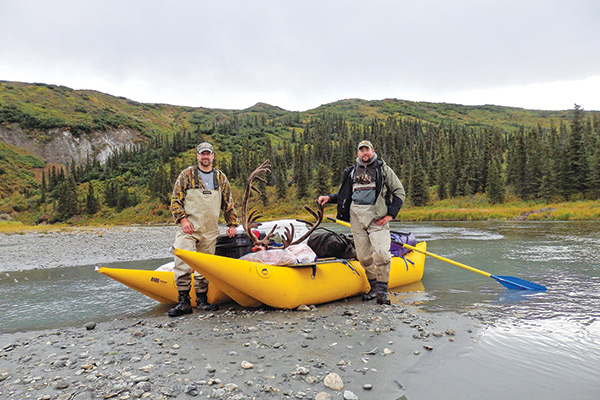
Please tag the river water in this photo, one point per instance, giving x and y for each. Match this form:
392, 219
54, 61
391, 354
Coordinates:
535, 344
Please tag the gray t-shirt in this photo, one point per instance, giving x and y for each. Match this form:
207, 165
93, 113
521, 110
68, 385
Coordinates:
208, 179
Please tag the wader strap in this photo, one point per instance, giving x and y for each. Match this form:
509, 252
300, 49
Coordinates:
196, 178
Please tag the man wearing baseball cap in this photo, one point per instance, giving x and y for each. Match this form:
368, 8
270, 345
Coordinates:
370, 196
201, 192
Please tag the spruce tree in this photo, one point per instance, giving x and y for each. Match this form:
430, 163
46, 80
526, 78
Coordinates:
321, 180
264, 199
160, 187
418, 192
594, 180
124, 199
517, 166
281, 182
534, 156
111, 194
44, 189
91, 205
67, 199
300, 173
494, 188
576, 163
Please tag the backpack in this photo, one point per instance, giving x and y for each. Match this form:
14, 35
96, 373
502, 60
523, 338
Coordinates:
404, 238
326, 243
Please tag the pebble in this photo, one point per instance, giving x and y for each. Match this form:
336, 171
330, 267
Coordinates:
247, 365
62, 384
333, 381
90, 326
367, 386
301, 371
348, 395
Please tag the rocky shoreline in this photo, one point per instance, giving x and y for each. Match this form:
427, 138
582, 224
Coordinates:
342, 350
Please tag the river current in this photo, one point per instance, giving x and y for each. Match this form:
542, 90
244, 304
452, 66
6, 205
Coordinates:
535, 345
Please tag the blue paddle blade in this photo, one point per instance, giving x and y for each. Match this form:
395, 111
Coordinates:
510, 282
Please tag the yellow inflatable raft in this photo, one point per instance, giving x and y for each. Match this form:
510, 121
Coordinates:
253, 284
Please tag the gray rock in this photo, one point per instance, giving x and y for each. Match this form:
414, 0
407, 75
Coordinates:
191, 390
144, 386
62, 384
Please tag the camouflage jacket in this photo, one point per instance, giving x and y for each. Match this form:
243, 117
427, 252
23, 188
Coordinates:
187, 181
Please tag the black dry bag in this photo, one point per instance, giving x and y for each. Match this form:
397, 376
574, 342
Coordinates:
326, 243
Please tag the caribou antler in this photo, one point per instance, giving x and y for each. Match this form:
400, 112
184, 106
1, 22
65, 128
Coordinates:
249, 221
289, 233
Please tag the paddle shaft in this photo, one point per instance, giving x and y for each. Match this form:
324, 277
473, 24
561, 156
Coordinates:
425, 252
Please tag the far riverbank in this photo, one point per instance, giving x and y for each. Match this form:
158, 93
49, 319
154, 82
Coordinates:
471, 208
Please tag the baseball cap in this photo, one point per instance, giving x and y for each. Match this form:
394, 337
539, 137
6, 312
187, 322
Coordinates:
365, 143
204, 146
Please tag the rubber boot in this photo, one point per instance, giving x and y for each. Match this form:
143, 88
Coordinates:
202, 303
371, 295
382, 293
184, 306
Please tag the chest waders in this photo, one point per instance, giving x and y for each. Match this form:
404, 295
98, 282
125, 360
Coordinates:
372, 250
202, 208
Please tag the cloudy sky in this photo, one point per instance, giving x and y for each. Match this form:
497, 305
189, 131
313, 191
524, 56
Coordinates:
300, 54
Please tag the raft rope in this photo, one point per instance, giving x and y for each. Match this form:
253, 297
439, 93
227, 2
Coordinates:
350, 266
406, 261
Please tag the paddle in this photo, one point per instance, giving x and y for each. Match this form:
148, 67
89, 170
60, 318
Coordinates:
509, 282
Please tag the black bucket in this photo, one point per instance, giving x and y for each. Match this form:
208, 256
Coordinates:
234, 247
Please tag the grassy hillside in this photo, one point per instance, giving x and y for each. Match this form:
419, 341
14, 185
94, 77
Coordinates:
41, 107
506, 118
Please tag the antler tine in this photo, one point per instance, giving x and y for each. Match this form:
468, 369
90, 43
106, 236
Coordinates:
288, 236
249, 221
313, 225
252, 217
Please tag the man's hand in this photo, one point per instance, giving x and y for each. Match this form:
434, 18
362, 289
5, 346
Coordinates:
322, 200
384, 220
186, 226
231, 231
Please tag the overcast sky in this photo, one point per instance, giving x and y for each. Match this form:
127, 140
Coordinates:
300, 54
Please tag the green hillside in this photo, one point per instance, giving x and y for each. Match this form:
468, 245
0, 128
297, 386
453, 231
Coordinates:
440, 151
42, 107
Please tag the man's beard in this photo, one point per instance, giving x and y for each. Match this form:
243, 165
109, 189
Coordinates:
205, 162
